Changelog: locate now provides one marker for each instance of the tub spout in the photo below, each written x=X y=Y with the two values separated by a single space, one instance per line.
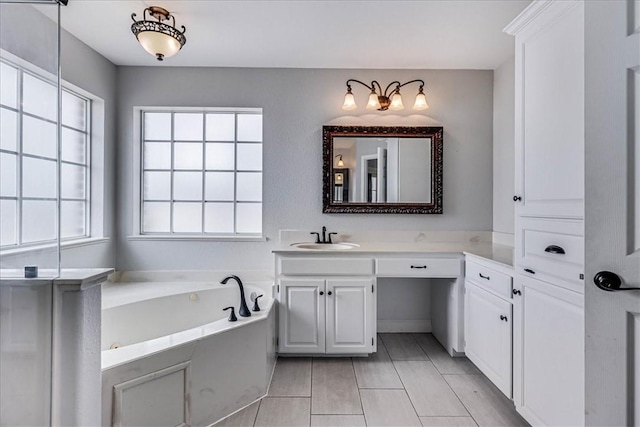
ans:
x=244 y=310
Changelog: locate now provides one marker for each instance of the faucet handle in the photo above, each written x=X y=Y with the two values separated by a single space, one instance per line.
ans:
x=317 y=236
x=256 y=307
x=232 y=316
x=329 y=240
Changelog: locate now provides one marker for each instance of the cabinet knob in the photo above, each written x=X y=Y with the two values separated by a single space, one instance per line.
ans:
x=329 y=293
x=517 y=198
x=321 y=292
x=503 y=317
x=516 y=292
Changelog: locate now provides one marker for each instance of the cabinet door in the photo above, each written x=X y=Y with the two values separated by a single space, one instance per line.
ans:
x=350 y=316
x=551 y=357
x=302 y=316
x=550 y=113
x=487 y=325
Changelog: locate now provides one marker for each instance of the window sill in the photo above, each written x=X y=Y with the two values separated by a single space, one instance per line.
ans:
x=184 y=238
x=64 y=245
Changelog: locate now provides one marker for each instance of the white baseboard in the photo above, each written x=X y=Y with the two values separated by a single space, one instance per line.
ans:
x=404 y=325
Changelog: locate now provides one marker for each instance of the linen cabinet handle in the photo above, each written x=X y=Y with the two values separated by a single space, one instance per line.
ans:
x=503 y=317
x=483 y=276
x=530 y=271
x=554 y=249
x=516 y=292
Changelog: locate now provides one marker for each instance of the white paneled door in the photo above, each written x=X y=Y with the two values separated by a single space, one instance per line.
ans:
x=349 y=316
x=612 y=211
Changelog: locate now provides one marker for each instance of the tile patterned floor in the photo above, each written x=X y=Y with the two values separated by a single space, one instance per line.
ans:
x=410 y=381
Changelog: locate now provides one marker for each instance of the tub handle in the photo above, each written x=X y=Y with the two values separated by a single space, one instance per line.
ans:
x=256 y=307
x=232 y=316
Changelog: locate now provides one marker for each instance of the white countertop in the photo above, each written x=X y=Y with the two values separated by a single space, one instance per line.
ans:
x=498 y=253
x=82 y=278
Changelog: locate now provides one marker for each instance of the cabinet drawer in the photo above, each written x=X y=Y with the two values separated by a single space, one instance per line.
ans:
x=418 y=267
x=552 y=248
x=326 y=266
x=489 y=279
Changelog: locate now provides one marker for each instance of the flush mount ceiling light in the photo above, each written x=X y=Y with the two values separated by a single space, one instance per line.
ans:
x=387 y=100
x=159 y=39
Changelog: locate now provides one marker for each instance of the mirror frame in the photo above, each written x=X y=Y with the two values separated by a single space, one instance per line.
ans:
x=331 y=132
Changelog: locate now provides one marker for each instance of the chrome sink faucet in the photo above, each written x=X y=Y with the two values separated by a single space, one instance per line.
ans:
x=326 y=239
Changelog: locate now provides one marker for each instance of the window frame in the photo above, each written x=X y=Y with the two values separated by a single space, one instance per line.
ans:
x=139 y=232
x=25 y=68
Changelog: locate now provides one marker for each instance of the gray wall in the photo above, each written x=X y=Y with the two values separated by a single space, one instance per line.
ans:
x=296 y=103
x=23 y=32
x=503 y=146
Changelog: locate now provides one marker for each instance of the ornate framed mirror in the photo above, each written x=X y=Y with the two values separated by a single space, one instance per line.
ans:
x=381 y=169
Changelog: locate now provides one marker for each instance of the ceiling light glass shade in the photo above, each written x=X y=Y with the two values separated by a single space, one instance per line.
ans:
x=340 y=163
x=396 y=102
x=159 y=39
x=421 y=101
x=374 y=103
x=349 y=101
x=159 y=45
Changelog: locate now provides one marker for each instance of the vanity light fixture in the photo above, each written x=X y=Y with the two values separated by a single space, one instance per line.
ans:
x=387 y=100
x=159 y=39
x=340 y=161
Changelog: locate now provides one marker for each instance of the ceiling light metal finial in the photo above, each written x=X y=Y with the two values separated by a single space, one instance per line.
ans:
x=389 y=99
x=159 y=39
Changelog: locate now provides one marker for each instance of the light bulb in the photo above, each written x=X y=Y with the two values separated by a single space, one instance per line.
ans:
x=374 y=103
x=340 y=163
x=349 y=101
x=421 y=101
x=396 y=102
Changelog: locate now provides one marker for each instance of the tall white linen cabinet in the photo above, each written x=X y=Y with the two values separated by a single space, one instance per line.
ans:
x=548 y=335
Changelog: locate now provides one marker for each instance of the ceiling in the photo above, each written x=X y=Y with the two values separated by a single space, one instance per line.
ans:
x=438 y=34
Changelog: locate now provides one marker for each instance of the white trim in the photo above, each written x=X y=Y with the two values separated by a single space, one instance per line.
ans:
x=64 y=245
x=196 y=238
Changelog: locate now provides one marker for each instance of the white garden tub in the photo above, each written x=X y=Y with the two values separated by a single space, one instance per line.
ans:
x=171 y=357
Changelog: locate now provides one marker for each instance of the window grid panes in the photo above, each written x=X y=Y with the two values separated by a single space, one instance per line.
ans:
x=28 y=153
x=201 y=172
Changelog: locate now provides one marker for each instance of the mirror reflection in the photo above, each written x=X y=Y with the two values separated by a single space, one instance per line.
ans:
x=382 y=170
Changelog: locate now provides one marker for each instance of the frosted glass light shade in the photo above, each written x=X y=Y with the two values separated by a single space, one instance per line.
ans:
x=396 y=102
x=158 y=44
x=374 y=103
x=421 y=102
x=349 y=101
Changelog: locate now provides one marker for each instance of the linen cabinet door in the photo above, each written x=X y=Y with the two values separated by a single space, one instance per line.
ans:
x=487 y=326
x=350 y=316
x=302 y=316
x=549 y=124
x=552 y=354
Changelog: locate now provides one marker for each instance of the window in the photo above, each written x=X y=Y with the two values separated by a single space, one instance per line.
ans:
x=201 y=172
x=28 y=159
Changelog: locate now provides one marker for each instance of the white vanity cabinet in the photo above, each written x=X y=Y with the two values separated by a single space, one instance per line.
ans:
x=488 y=321
x=327 y=305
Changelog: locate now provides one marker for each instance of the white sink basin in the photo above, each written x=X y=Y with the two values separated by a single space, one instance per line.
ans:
x=325 y=246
